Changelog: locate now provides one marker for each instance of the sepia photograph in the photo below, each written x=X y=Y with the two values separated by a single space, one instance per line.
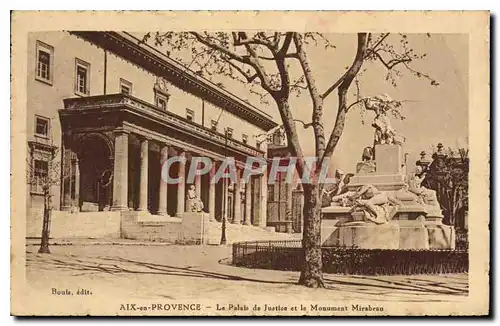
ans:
x=319 y=164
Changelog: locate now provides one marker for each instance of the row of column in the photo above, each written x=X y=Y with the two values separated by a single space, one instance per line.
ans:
x=120 y=183
x=237 y=209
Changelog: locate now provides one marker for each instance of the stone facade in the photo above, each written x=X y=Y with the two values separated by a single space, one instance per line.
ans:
x=135 y=110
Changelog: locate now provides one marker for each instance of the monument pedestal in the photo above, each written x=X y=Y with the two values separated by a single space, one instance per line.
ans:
x=441 y=236
x=394 y=235
x=412 y=234
x=383 y=182
x=369 y=236
x=415 y=225
x=389 y=158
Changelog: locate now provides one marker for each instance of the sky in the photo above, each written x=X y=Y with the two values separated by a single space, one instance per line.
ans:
x=433 y=114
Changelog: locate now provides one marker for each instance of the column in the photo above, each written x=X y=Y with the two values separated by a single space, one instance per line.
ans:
x=302 y=210
x=120 y=174
x=256 y=201
x=248 y=202
x=77 y=183
x=162 y=206
x=143 y=183
x=211 y=193
x=237 y=199
x=289 y=206
x=66 y=175
x=181 y=186
x=263 y=201
x=197 y=185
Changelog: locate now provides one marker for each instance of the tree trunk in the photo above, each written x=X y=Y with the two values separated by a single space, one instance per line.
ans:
x=44 y=246
x=312 y=275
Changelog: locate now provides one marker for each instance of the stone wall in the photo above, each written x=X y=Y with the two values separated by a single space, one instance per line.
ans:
x=70 y=225
x=192 y=228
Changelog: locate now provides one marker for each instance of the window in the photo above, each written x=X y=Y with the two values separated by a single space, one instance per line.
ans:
x=190 y=114
x=214 y=124
x=44 y=62
x=41 y=126
x=161 y=100
x=82 y=72
x=244 y=138
x=161 y=103
x=229 y=132
x=125 y=87
x=40 y=173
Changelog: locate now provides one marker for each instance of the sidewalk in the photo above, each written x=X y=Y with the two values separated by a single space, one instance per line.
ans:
x=95 y=242
x=189 y=272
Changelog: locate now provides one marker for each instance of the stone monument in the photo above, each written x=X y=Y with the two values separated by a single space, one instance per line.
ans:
x=382 y=208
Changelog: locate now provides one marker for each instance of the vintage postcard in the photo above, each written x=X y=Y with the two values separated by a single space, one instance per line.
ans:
x=250 y=163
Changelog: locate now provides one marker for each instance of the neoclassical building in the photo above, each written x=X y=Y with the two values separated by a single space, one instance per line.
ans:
x=111 y=110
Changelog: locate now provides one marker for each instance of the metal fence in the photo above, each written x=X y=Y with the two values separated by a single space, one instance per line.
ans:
x=461 y=240
x=289 y=256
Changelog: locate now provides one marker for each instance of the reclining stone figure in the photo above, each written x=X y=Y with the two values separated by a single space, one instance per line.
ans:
x=379 y=207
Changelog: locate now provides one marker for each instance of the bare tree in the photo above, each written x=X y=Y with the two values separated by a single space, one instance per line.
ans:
x=43 y=173
x=263 y=60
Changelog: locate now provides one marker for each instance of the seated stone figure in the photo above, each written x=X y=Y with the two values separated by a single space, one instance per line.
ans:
x=333 y=189
x=367 y=164
x=426 y=196
x=194 y=204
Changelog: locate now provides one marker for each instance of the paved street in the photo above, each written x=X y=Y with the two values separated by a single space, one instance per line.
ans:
x=186 y=272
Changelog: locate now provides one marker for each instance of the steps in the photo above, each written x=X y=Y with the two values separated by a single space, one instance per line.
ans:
x=239 y=232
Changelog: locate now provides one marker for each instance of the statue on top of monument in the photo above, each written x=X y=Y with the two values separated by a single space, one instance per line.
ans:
x=383 y=105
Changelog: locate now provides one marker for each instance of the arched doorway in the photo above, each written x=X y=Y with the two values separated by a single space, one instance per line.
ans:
x=96 y=173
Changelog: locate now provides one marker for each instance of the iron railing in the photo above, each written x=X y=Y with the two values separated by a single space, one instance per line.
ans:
x=288 y=255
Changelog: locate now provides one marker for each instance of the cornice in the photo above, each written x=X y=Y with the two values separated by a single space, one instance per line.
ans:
x=140 y=108
x=148 y=58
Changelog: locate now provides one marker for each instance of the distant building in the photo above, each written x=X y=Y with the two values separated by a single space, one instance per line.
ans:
x=284 y=199
x=115 y=109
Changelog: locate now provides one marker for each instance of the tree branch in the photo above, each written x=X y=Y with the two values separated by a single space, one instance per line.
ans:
x=197 y=55
x=317 y=114
x=241 y=71
x=379 y=41
x=305 y=125
x=418 y=73
x=340 y=80
x=286 y=44
x=243 y=39
x=334 y=86
x=391 y=63
x=251 y=60
x=259 y=69
x=284 y=76
x=226 y=51
x=276 y=40
x=342 y=94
